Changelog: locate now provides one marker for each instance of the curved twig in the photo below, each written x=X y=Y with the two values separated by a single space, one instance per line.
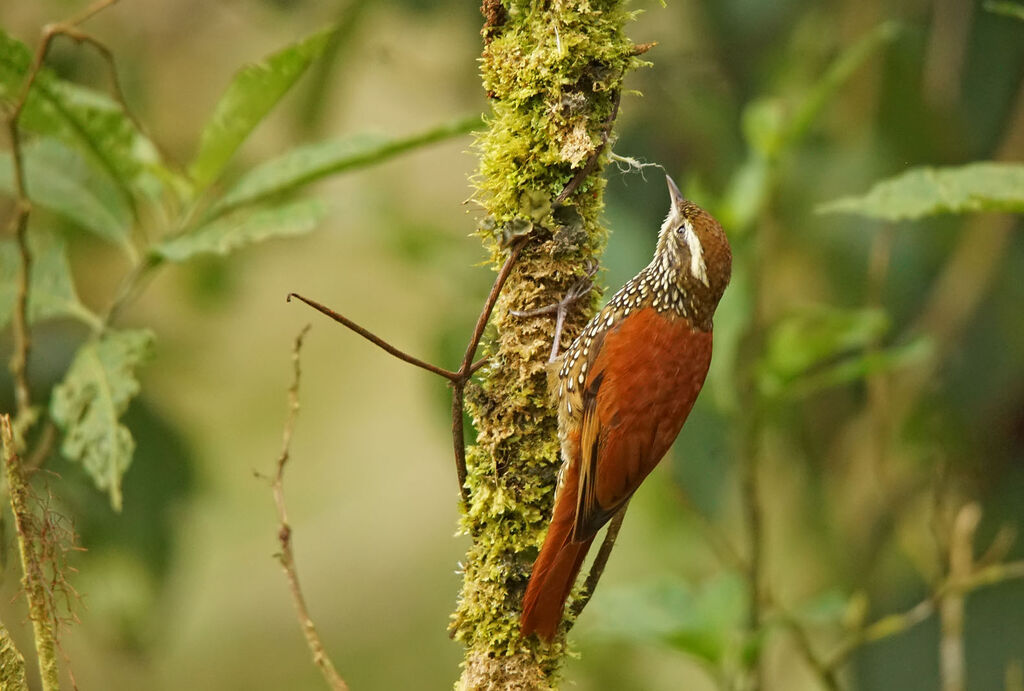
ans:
x=374 y=339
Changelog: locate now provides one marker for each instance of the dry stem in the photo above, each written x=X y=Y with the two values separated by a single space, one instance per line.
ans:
x=33 y=580
x=287 y=557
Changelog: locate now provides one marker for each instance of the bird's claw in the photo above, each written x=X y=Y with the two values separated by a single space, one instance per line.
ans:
x=577 y=290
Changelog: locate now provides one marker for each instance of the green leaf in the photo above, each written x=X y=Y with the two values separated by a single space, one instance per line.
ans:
x=983 y=186
x=313 y=162
x=243 y=227
x=700 y=621
x=824 y=348
x=805 y=340
x=89 y=403
x=253 y=92
x=51 y=289
x=861 y=365
x=85 y=119
x=60 y=179
x=1009 y=9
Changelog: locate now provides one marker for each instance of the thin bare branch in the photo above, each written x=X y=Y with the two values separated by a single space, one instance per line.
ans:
x=90 y=12
x=459 y=435
x=23 y=207
x=492 y=298
x=284 y=535
x=894 y=624
x=468 y=367
x=374 y=339
x=600 y=561
x=828 y=676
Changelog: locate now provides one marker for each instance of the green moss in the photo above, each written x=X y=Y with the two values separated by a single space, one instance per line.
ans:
x=551 y=70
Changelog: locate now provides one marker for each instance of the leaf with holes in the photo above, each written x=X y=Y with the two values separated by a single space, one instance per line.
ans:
x=89 y=403
x=241 y=228
x=52 y=290
x=984 y=186
x=87 y=120
x=253 y=93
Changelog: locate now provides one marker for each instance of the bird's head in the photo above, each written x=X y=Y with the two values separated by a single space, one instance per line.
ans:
x=693 y=249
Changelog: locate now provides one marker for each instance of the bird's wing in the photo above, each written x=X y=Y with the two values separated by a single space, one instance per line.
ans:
x=641 y=386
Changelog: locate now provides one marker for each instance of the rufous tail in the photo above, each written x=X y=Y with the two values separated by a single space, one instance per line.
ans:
x=554 y=574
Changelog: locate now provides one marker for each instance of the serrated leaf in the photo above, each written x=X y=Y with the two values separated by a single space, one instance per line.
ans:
x=85 y=119
x=60 y=179
x=984 y=186
x=241 y=228
x=89 y=403
x=307 y=164
x=253 y=93
x=700 y=621
x=51 y=290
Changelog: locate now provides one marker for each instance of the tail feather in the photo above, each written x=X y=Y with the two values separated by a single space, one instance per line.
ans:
x=554 y=574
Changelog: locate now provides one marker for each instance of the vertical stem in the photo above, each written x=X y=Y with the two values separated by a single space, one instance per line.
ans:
x=752 y=425
x=32 y=579
x=953 y=672
x=552 y=72
x=19 y=318
x=754 y=519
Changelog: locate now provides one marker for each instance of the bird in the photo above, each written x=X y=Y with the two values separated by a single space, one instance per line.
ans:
x=624 y=388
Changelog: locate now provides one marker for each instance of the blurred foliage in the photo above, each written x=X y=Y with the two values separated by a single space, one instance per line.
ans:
x=699 y=620
x=927 y=191
x=771 y=111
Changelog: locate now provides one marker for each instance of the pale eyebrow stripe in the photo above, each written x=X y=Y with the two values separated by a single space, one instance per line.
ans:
x=698 y=268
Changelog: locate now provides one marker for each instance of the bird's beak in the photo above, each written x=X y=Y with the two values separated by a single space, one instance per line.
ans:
x=673 y=191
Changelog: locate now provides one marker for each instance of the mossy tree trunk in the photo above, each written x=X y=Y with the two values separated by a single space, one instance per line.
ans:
x=553 y=72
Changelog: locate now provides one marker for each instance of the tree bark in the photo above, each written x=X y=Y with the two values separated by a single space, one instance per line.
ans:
x=553 y=73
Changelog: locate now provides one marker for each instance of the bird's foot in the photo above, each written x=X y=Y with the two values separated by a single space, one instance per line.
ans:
x=577 y=290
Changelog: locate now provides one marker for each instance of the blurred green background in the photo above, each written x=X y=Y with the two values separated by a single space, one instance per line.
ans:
x=182 y=589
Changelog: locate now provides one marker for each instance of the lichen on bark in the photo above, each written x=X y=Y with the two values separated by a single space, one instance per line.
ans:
x=553 y=71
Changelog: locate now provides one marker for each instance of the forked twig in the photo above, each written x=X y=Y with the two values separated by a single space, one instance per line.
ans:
x=468 y=367
x=459 y=378
x=284 y=535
